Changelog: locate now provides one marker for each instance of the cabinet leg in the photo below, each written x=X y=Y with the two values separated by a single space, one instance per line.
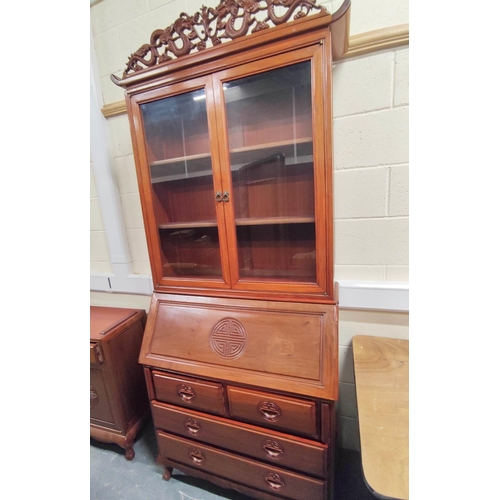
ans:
x=168 y=473
x=129 y=453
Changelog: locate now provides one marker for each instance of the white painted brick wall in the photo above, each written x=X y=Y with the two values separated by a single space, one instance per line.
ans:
x=368 y=15
x=360 y=273
x=401 y=79
x=372 y=241
x=371 y=139
x=126 y=174
x=119 y=129
x=399 y=190
x=398 y=273
x=363 y=84
x=371 y=176
x=361 y=192
x=99 y=252
x=132 y=211
x=139 y=251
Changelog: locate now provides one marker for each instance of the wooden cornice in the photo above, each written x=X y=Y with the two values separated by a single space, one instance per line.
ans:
x=360 y=44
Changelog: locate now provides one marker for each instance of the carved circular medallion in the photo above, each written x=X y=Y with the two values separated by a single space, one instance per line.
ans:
x=94 y=397
x=228 y=338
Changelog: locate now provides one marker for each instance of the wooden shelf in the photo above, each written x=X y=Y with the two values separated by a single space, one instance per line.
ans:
x=188 y=225
x=295 y=151
x=263 y=221
x=254 y=221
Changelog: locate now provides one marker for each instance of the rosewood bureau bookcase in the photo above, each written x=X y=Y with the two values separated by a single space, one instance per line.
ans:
x=231 y=121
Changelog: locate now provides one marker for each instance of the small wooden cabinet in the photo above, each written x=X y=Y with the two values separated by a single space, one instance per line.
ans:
x=233 y=151
x=118 y=397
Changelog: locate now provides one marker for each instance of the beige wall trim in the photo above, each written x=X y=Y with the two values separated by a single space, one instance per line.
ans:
x=360 y=44
x=114 y=109
x=372 y=41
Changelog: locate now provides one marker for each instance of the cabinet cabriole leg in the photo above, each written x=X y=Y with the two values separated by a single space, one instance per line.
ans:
x=168 y=473
x=129 y=453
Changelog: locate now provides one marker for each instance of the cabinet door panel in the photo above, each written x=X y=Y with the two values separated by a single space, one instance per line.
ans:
x=100 y=407
x=269 y=127
x=274 y=161
x=181 y=183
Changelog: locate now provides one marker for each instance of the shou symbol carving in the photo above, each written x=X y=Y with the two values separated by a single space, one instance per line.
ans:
x=228 y=338
x=210 y=26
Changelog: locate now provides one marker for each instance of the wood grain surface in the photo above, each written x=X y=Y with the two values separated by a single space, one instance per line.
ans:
x=381 y=367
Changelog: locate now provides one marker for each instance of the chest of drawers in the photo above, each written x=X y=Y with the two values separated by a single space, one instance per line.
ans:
x=118 y=398
x=250 y=405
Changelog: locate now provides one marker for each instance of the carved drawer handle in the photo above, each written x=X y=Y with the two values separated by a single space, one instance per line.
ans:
x=270 y=411
x=225 y=196
x=197 y=456
x=192 y=426
x=273 y=449
x=186 y=393
x=218 y=196
x=275 y=481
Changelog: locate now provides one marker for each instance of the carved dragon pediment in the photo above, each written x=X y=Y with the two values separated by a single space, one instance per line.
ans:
x=209 y=27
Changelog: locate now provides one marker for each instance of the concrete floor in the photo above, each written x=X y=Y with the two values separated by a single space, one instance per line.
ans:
x=112 y=477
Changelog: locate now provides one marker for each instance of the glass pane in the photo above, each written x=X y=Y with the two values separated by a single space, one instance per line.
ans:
x=269 y=120
x=178 y=150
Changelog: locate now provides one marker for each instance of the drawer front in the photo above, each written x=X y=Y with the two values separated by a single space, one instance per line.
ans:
x=279 y=449
x=185 y=391
x=235 y=468
x=271 y=410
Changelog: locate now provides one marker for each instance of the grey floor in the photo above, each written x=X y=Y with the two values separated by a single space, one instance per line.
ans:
x=114 y=478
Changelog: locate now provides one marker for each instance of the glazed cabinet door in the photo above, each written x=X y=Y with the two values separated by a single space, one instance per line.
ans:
x=180 y=184
x=235 y=177
x=274 y=164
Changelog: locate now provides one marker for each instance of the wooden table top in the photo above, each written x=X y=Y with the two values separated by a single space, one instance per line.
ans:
x=382 y=381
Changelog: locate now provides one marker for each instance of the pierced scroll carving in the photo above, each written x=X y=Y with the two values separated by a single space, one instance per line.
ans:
x=210 y=26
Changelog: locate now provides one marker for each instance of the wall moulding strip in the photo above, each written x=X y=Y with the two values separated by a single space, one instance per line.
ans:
x=382 y=39
x=360 y=44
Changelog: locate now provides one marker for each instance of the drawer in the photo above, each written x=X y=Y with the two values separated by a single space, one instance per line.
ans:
x=279 y=449
x=95 y=353
x=271 y=410
x=185 y=391
x=239 y=469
